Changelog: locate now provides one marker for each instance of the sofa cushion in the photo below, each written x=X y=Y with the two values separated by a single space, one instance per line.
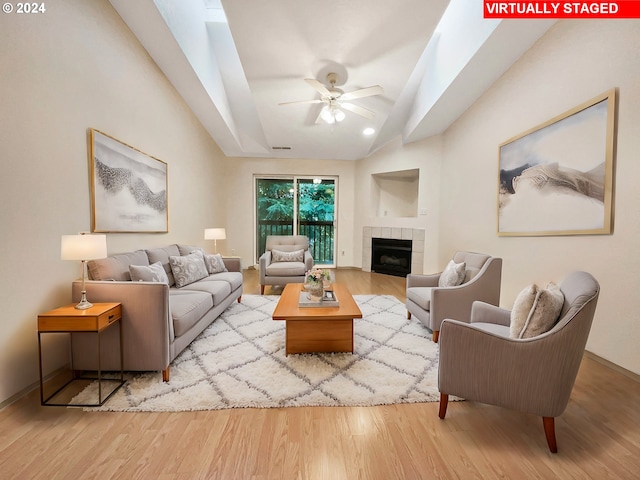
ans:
x=214 y=263
x=421 y=296
x=234 y=279
x=286 y=269
x=280 y=256
x=535 y=311
x=219 y=290
x=162 y=255
x=452 y=275
x=187 y=249
x=116 y=267
x=153 y=273
x=188 y=268
x=187 y=308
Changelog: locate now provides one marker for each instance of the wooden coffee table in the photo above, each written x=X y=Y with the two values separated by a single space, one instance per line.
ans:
x=317 y=329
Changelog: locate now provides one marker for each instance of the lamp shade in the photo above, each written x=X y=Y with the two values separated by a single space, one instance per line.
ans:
x=83 y=247
x=215 y=234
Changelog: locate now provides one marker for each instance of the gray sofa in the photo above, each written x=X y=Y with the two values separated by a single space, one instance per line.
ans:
x=159 y=320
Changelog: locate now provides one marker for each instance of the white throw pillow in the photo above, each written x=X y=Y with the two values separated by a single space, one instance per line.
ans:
x=453 y=274
x=152 y=273
x=279 y=256
x=214 y=263
x=535 y=311
x=188 y=268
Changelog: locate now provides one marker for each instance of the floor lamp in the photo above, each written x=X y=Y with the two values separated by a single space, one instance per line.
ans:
x=215 y=234
x=83 y=247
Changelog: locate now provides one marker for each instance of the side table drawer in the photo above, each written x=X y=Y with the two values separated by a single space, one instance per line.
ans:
x=79 y=322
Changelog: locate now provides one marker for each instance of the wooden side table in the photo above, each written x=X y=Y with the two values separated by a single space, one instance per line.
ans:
x=68 y=319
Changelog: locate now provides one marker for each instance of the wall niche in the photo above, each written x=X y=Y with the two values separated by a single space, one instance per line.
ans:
x=395 y=194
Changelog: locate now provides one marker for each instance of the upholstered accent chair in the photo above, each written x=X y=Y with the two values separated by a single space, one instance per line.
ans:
x=480 y=279
x=286 y=260
x=480 y=361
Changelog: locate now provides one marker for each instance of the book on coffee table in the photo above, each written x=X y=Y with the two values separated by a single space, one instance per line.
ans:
x=328 y=300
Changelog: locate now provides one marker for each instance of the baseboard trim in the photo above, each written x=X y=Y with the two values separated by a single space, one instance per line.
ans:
x=34 y=386
x=612 y=366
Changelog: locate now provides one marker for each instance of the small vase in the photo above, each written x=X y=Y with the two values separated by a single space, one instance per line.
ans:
x=314 y=291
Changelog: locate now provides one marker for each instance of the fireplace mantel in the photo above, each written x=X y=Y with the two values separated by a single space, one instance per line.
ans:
x=416 y=235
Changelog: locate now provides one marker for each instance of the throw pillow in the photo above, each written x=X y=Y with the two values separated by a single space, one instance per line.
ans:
x=535 y=311
x=279 y=256
x=152 y=273
x=188 y=268
x=452 y=275
x=214 y=263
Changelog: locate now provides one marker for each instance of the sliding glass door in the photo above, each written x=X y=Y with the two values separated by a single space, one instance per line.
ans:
x=298 y=206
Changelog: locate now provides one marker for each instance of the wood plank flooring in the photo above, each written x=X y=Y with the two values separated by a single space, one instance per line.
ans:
x=598 y=435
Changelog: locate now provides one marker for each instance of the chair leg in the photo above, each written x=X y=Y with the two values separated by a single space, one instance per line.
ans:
x=444 y=401
x=408 y=315
x=435 y=335
x=261 y=289
x=550 y=432
x=240 y=299
x=165 y=374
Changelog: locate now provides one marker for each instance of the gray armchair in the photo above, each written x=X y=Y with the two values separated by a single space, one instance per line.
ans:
x=277 y=265
x=481 y=363
x=432 y=304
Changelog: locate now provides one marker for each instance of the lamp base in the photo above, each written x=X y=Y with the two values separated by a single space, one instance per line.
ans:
x=84 y=303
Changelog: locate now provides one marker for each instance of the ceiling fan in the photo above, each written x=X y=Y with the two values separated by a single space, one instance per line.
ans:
x=336 y=100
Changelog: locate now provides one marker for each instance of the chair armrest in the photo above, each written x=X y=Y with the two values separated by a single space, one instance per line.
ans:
x=533 y=375
x=308 y=260
x=233 y=264
x=263 y=262
x=487 y=313
x=147 y=328
x=415 y=280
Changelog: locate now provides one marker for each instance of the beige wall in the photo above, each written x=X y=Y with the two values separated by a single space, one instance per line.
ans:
x=425 y=156
x=78 y=66
x=572 y=63
x=239 y=187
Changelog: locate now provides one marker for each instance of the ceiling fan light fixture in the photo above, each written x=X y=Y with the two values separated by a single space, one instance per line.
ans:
x=326 y=115
x=331 y=114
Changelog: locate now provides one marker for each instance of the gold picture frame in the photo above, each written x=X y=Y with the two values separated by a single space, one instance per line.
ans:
x=128 y=188
x=557 y=178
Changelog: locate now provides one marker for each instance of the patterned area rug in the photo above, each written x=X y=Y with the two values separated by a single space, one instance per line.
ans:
x=239 y=361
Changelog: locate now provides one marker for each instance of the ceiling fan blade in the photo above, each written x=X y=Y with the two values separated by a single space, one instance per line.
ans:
x=363 y=92
x=300 y=102
x=318 y=86
x=358 y=110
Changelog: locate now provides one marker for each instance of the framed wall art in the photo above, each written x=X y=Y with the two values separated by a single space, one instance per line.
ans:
x=557 y=178
x=128 y=188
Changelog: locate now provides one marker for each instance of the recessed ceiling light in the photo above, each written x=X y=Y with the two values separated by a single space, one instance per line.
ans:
x=368 y=131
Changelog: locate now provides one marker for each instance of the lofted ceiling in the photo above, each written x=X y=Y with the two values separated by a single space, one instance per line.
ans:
x=235 y=61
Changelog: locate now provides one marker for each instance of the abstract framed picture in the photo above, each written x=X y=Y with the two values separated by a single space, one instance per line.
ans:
x=128 y=188
x=557 y=178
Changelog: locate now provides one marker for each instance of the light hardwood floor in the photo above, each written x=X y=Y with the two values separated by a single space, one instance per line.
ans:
x=598 y=435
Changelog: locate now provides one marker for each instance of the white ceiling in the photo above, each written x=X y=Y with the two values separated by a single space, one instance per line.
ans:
x=234 y=61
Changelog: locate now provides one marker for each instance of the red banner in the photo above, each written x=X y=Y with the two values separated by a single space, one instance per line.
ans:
x=561 y=9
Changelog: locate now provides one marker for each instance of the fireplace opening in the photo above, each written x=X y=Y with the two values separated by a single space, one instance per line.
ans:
x=391 y=256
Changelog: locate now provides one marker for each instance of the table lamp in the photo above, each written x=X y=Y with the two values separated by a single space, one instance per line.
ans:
x=215 y=234
x=83 y=247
